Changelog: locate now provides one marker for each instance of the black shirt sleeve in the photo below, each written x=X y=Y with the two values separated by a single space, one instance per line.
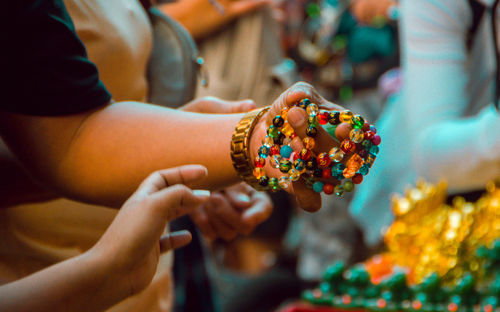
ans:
x=45 y=64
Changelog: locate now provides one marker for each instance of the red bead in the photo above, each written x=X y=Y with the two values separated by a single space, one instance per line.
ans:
x=373 y=129
x=327 y=173
x=363 y=153
x=376 y=140
x=323 y=160
x=328 y=189
x=323 y=119
x=347 y=146
x=369 y=135
x=294 y=156
x=275 y=150
x=259 y=162
x=293 y=136
x=305 y=154
x=357 y=179
x=366 y=126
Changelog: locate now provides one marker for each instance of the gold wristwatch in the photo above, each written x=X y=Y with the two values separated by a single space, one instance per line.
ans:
x=240 y=143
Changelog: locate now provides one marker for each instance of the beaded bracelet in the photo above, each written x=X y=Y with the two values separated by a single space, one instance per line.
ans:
x=346 y=164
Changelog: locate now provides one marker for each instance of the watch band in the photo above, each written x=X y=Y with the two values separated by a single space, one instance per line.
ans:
x=240 y=152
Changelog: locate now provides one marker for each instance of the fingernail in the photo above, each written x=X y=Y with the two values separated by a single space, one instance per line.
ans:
x=179 y=233
x=243 y=198
x=296 y=117
x=248 y=105
x=201 y=193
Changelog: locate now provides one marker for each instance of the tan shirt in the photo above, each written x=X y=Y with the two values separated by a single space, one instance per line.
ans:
x=117 y=35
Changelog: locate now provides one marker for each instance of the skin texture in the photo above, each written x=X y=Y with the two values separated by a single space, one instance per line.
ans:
x=122 y=263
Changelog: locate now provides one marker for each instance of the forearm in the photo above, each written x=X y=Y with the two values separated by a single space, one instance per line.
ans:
x=78 y=284
x=464 y=152
x=102 y=156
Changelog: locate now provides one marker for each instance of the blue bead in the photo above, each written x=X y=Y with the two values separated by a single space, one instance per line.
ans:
x=318 y=186
x=374 y=150
x=264 y=151
x=338 y=169
x=286 y=151
x=364 y=170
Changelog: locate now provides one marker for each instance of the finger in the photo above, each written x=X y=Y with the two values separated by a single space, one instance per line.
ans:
x=307 y=199
x=175 y=240
x=239 y=106
x=176 y=201
x=242 y=7
x=260 y=211
x=200 y=218
x=161 y=179
x=297 y=118
x=238 y=197
x=224 y=219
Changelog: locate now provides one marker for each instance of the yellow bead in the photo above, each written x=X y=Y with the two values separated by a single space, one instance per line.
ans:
x=309 y=143
x=312 y=109
x=356 y=135
x=258 y=173
x=294 y=175
x=287 y=129
x=284 y=112
x=268 y=141
x=346 y=116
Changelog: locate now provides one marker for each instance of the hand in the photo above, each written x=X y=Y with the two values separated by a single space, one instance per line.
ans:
x=235 y=210
x=213 y=105
x=297 y=117
x=201 y=17
x=366 y=10
x=133 y=242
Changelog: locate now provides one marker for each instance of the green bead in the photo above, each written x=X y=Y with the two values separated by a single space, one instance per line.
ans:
x=339 y=190
x=285 y=165
x=273 y=132
x=348 y=186
x=313 y=120
x=374 y=149
x=358 y=122
x=274 y=184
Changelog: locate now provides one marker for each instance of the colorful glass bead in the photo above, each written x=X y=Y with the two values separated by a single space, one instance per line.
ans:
x=357 y=179
x=312 y=109
x=313 y=121
x=336 y=154
x=294 y=175
x=286 y=151
x=309 y=143
x=273 y=132
x=346 y=116
x=356 y=135
x=285 y=165
x=275 y=149
x=264 y=151
x=259 y=161
x=338 y=169
x=280 y=139
x=284 y=182
x=258 y=172
x=348 y=146
x=299 y=165
x=366 y=126
x=364 y=170
x=376 y=140
x=373 y=129
x=311 y=164
x=334 y=118
x=275 y=161
x=369 y=135
x=294 y=156
x=287 y=141
x=322 y=118
x=339 y=190
x=363 y=153
x=268 y=141
x=358 y=122
x=327 y=173
x=287 y=129
x=318 y=186
x=374 y=149
x=312 y=131
x=370 y=160
x=274 y=184
x=293 y=135
x=348 y=186
x=328 y=189
x=366 y=144
x=264 y=181
x=353 y=164
x=305 y=154
x=278 y=121
x=304 y=103
x=323 y=160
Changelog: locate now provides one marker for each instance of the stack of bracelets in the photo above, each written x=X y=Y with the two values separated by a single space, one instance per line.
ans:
x=347 y=164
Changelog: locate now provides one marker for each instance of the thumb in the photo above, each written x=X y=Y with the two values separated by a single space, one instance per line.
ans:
x=175 y=240
x=242 y=7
